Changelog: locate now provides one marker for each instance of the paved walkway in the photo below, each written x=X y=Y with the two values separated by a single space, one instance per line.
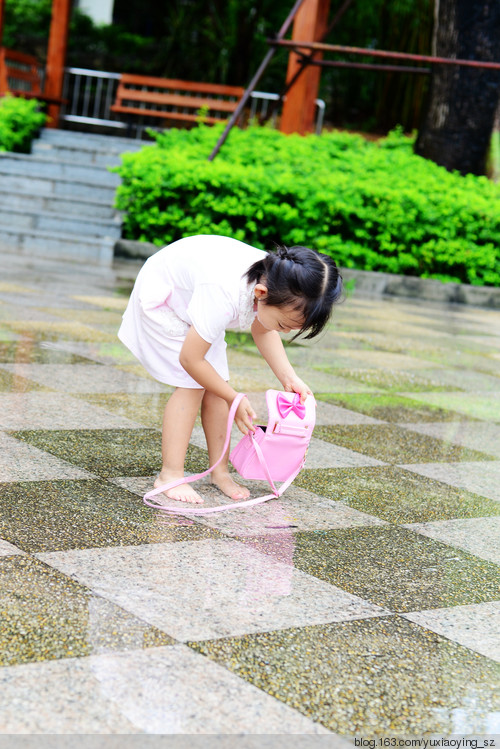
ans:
x=364 y=602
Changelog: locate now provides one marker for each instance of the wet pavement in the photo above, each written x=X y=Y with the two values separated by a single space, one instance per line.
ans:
x=365 y=601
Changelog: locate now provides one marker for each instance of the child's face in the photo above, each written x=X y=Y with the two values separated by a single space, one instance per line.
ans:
x=282 y=319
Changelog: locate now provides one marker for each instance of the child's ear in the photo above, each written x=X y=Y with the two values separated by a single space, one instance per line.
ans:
x=260 y=291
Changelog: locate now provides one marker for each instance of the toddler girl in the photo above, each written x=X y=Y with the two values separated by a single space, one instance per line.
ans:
x=184 y=299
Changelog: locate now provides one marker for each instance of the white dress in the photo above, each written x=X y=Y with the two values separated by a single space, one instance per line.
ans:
x=197 y=281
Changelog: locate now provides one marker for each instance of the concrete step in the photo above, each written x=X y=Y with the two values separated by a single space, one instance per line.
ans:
x=76 y=155
x=58 y=201
x=36 y=166
x=53 y=204
x=60 y=223
x=34 y=242
x=53 y=186
x=112 y=143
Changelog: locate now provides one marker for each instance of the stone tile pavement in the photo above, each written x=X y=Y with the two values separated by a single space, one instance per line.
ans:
x=365 y=601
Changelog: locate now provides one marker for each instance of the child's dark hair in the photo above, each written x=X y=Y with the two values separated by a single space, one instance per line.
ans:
x=304 y=279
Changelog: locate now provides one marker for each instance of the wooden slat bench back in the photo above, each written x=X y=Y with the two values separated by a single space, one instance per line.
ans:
x=172 y=99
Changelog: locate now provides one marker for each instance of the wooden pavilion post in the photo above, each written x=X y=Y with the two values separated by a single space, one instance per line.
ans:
x=298 y=109
x=56 y=56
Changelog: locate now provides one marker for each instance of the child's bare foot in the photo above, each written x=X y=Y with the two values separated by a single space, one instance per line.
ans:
x=229 y=487
x=182 y=493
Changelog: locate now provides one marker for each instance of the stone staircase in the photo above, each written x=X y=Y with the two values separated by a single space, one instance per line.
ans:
x=57 y=202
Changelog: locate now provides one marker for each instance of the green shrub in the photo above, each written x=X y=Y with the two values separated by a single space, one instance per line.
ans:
x=20 y=120
x=373 y=206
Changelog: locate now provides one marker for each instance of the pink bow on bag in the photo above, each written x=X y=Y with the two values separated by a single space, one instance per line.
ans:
x=286 y=406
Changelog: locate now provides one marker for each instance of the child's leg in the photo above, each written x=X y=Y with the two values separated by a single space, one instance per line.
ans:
x=214 y=413
x=178 y=421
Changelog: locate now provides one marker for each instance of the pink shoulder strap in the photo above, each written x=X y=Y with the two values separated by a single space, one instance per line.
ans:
x=183 y=510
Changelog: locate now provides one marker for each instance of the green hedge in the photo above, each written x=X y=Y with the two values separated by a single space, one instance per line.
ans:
x=372 y=206
x=20 y=121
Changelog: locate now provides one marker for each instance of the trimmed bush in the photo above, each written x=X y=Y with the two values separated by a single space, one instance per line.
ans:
x=372 y=206
x=20 y=121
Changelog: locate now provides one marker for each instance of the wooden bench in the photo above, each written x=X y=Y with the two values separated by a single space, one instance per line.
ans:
x=19 y=76
x=170 y=99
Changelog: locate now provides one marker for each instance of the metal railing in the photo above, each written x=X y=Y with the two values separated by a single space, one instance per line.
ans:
x=90 y=94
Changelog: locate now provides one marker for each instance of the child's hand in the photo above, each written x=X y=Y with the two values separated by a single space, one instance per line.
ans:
x=296 y=385
x=244 y=416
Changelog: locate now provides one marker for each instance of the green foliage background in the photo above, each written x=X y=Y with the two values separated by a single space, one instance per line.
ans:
x=373 y=206
x=20 y=121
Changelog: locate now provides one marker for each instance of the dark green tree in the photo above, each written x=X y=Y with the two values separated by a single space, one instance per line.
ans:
x=375 y=100
x=26 y=26
x=212 y=40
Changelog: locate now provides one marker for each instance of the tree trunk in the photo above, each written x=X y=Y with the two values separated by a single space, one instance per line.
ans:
x=458 y=123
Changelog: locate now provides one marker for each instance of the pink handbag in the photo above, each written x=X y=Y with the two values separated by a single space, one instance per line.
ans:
x=276 y=452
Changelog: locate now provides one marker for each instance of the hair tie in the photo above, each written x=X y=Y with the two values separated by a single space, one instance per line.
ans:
x=284 y=253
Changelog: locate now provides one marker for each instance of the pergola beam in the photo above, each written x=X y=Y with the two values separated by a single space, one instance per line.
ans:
x=342 y=49
x=368 y=66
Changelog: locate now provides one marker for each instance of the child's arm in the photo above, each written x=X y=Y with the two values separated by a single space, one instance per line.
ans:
x=271 y=347
x=192 y=359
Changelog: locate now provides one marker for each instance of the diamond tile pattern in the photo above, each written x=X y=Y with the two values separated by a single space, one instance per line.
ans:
x=365 y=601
